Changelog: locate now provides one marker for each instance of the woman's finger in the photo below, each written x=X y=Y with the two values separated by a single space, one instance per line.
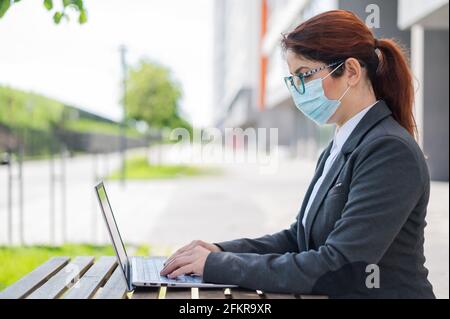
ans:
x=181 y=253
x=181 y=250
x=181 y=271
x=175 y=254
x=179 y=262
x=169 y=262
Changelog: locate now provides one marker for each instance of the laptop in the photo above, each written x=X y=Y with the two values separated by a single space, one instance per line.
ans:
x=142 y=271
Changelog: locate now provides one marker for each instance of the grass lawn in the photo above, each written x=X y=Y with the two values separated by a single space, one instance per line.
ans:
x=16 y=262
x=138 y=168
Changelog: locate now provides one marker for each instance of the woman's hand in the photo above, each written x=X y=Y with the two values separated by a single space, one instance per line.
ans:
x=191 y=246
x=189 y=259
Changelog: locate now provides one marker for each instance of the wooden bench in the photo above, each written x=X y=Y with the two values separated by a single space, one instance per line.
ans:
x=84 y=278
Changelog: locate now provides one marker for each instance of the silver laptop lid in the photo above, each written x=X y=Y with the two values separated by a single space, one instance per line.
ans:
x=113 y=231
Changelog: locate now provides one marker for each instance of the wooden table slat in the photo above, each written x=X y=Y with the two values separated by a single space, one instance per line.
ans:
x=146 y=293
x=178 y=293
x=238 y=293
x=271 y=295
x=30 y=282
x=212 y=293
x=115 y=287
x=92 y=279
x=64 y=279
x=84 y=279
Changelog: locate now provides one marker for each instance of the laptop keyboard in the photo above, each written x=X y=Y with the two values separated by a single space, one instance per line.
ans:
x=148 y=270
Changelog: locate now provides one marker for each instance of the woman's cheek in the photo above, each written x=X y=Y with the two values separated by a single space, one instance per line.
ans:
x=329 y=88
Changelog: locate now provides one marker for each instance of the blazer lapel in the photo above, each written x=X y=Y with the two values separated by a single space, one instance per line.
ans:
x=316 y=176
x=328 y=181
x=374 y=116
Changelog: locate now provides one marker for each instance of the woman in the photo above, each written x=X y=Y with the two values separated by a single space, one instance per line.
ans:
x=360 y=230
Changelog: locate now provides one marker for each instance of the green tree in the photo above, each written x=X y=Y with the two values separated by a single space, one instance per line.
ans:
x=58 y=15
x=153 y=96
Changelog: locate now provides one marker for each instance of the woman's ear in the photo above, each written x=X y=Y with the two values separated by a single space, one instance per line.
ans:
x=353 y=71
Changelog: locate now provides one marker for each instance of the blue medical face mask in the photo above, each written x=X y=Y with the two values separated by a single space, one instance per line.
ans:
x=310 y=97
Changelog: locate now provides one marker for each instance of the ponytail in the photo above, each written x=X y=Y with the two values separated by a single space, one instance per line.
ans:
x=394 y=83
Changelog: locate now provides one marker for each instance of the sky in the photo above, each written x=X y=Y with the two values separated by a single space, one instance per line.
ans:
x=80 y=64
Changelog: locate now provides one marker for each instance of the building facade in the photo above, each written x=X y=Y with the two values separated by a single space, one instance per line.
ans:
x=236 y=47
x=428 y=23
x=250 y=66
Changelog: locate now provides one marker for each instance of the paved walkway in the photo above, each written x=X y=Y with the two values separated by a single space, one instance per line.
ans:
x=241 y=202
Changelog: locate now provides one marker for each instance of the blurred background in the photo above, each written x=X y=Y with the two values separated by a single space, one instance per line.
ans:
x=91 y=90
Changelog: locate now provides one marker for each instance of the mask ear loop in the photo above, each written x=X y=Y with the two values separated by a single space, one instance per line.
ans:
x=345 y=93
x=334 y=70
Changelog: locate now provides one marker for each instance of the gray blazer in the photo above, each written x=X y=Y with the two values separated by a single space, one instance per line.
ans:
x=370 y=210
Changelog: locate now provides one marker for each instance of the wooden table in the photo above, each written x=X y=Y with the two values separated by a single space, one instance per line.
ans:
x=84 y=278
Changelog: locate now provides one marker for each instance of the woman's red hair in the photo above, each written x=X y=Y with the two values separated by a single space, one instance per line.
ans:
x=338 y=35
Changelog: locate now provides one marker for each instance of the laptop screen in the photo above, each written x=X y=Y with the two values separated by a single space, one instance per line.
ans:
x=112 y=228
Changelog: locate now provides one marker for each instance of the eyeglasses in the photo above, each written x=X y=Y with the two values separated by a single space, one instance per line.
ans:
x=298 y=81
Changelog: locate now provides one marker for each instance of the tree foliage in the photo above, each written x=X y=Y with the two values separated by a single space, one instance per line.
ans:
x=58 y=14
x=153 y=96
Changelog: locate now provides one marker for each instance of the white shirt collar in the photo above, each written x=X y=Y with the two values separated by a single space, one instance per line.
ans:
x=342 y=133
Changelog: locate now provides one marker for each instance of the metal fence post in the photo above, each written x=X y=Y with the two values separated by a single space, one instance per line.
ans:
x=9 y=200
x=94 y=204
x=63 y=193
x=52 y=198
x=21 y=195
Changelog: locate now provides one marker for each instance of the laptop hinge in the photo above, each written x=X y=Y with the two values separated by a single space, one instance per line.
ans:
x=130 y=280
